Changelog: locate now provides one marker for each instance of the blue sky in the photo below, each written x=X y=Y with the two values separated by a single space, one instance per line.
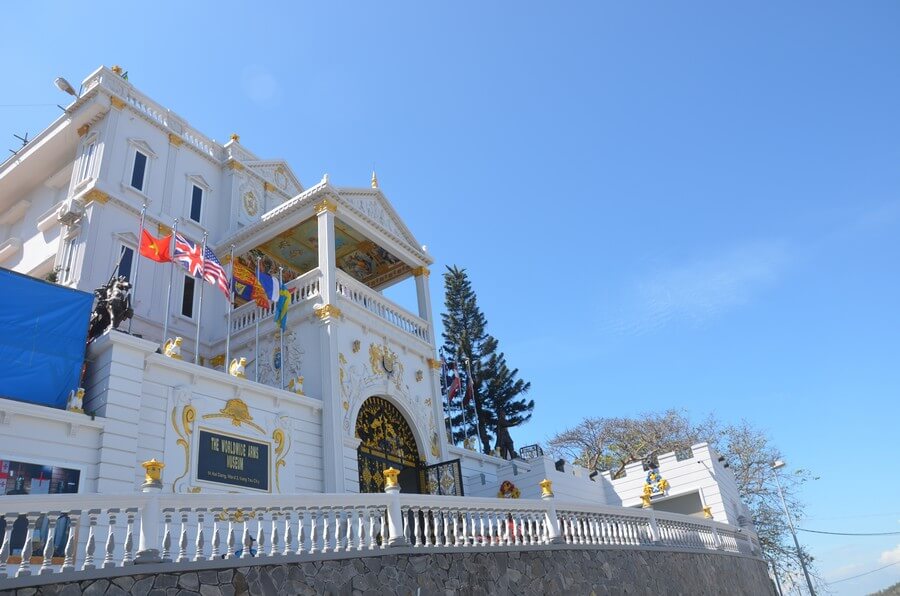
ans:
x=691 y=204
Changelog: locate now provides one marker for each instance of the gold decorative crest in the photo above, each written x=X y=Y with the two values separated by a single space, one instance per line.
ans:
x=239 y=413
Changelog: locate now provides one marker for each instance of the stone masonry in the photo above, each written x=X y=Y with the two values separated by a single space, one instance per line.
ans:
x=538 y=572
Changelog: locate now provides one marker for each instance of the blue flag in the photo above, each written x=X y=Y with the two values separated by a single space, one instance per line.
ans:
x=281 y=308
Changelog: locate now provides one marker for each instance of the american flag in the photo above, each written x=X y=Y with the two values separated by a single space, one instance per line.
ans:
x=188 y=255
x=213 y=272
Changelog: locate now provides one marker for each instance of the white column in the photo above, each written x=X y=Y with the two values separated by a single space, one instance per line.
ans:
x=329 y=314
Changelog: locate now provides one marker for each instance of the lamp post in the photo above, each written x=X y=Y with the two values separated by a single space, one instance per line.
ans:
x=777 y=465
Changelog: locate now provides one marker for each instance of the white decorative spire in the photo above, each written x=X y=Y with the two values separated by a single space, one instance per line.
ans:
x=374 y=180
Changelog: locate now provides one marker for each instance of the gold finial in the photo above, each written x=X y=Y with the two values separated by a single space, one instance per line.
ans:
x=235 y=137
x=374 y=180
x=390 y=477
x=153 y=471
x=117 y=69
x=707 y=512
x=546 y=488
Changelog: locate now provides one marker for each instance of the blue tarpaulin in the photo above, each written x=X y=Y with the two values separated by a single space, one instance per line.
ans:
x=43 y=330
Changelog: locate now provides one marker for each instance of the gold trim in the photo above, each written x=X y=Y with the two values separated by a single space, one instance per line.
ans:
x=417 y=271
x=96 y=195
x=325 y=205
x=280 y=454
x=163 y=229
x=434 y=364
x=269 y=187
x=546 y=487
x=707 y=512
x=327 y=310
x=217 y=360
x=83 y=130
x=239 y=412
x=188 y=414
x=234 y=165
x=174 y=139
x=116 y=102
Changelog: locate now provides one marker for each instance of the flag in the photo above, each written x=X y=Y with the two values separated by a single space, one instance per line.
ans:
x=213 y=272
x=270 y=285
x=247 y=286
x=455 y=384
x=470 y=391
x=284 y=300
x=155 y=249
x=188 y=255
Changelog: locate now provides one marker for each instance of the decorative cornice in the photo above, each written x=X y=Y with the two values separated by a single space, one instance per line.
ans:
x=174 y=139
x=434 y=364
x=234 y=165
x=325 y=205
x=96 y=195
x=325 y=311
x=417 y=271
x=82 y=130
x=116 y=102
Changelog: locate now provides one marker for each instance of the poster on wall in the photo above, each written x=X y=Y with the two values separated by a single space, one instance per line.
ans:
x=20 y=478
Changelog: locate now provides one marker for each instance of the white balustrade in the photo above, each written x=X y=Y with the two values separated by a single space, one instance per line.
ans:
x=302 y=288
x=370 y=300
x=301 y=525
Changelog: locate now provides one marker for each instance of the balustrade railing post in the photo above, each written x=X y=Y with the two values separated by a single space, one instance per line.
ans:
x=47 y=562
x=4 y=546
x=654 y=527
x=717 y=540
x=394 y=514
x=553 y=536
x=25 y=565
x=148 y=541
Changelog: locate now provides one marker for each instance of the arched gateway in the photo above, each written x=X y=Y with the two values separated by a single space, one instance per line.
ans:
x=386 y=440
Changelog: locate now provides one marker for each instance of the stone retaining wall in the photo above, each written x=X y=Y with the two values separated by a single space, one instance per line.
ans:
x=538 y=572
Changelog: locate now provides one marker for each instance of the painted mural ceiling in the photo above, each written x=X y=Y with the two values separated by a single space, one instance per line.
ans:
x=296 y=250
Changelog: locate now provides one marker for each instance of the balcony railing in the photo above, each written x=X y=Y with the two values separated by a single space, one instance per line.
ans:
x=370 y=300
x=119 y=530
x=302 y=288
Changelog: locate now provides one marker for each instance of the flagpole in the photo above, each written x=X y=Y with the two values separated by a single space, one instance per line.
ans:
x=171 y=275
x=137 y=264
x=281 y=335
x=469 y=379
x=258 y=316
x=446 y=403
x=230 y=308
x=200 y=302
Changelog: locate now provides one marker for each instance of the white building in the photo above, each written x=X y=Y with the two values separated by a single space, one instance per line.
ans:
x=365 y=391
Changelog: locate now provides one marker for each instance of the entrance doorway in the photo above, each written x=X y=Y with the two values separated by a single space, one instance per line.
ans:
x=386 y=441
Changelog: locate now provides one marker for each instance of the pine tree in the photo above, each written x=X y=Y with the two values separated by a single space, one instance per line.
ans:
x=494 y=403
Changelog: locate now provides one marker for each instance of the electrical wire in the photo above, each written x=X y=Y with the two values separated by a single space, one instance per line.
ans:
x=862 y=574
x=851 y=533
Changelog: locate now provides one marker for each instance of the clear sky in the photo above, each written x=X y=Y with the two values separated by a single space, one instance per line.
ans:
x=688 y=204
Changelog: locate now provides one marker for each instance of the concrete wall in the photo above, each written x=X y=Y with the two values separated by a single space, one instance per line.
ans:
x=402 y=572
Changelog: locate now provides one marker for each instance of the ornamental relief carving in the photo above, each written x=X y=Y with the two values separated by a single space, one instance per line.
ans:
x=378 y=372
x=374 y=211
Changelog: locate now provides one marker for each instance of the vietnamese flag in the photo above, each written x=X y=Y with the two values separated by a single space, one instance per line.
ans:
x=156 y=249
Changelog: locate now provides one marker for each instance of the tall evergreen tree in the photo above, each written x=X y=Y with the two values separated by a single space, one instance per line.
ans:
x=493 y=406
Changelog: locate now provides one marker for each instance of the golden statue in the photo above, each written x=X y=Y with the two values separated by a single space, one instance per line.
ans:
x=296 y=385
x=237 y=368
x=172 y=348
x=76 y=401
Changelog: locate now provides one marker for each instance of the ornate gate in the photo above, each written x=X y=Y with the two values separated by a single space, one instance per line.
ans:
x=386 y=440
x=444 y=478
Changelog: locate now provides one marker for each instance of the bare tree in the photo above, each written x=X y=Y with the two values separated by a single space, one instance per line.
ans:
x=599 y=443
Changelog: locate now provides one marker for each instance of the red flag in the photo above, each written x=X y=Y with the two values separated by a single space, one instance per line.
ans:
x=455 y=384
x=470 y=391
x=156 y=249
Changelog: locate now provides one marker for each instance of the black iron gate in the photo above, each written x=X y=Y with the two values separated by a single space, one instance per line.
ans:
x=444 y=478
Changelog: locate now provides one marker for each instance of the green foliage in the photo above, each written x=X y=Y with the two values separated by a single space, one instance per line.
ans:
x=496 y=404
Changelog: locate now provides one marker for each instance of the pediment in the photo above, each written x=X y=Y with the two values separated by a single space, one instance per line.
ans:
x=373 y=205
x=143 y=146
x=278 y=174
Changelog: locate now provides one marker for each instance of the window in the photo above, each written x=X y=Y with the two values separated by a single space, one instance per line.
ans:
x=187 y=297
x=87 y=160
x=138 y=170
x=196 y=202
x=126 y=257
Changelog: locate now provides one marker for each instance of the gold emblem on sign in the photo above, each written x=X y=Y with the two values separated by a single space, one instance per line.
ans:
x=239 y=413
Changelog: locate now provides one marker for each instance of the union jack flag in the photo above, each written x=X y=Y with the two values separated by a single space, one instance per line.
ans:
x=188 y=255
x=213 y=272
